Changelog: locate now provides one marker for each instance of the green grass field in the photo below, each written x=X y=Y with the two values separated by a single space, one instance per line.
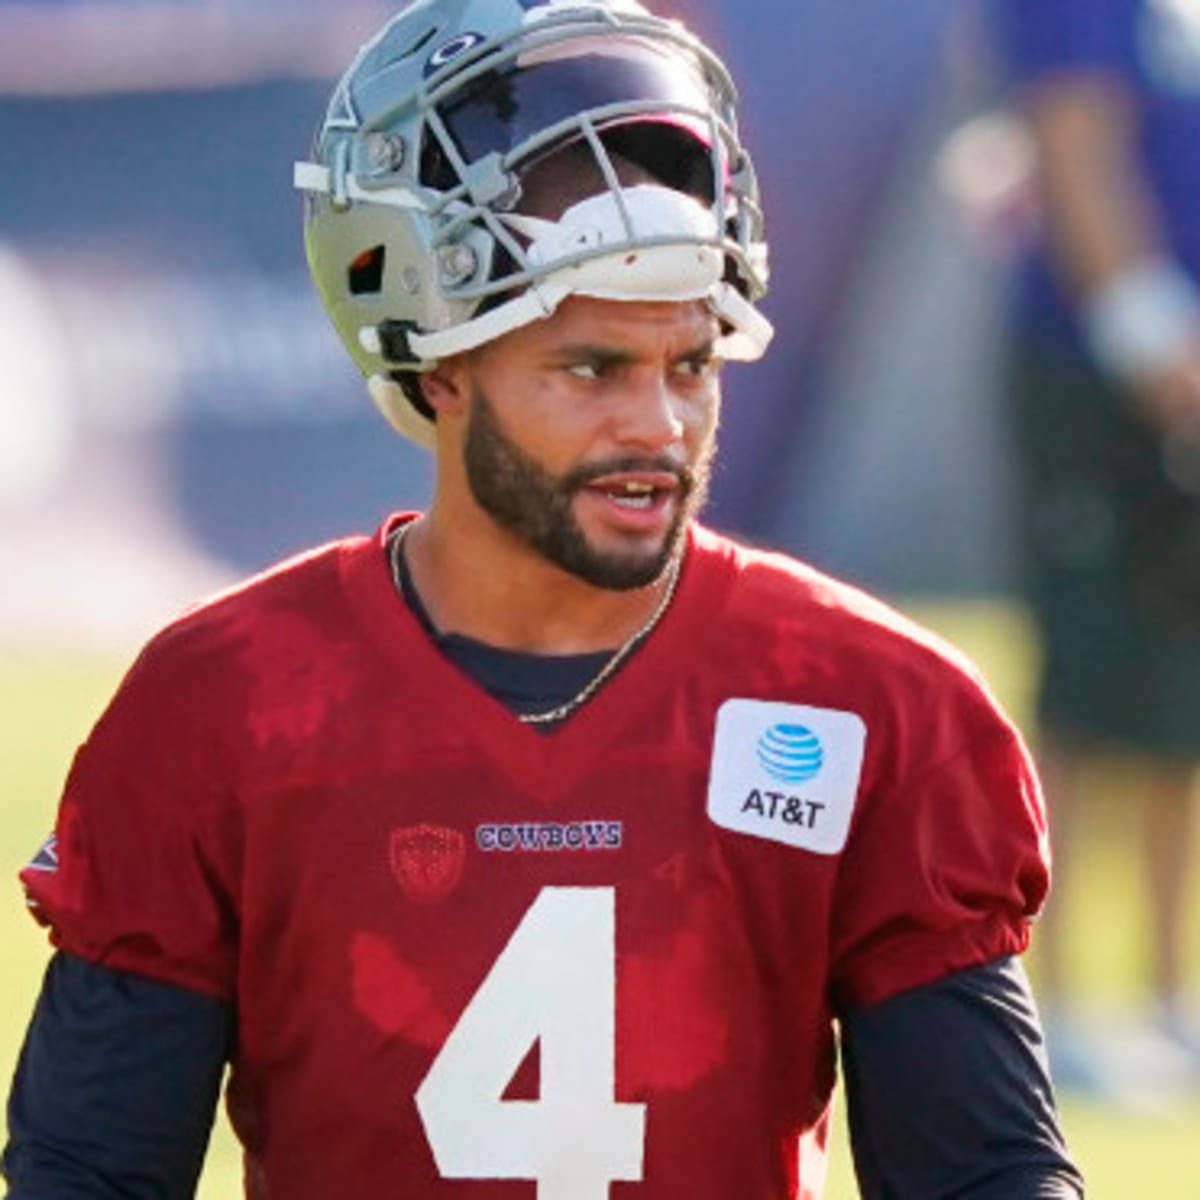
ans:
x=48 y=703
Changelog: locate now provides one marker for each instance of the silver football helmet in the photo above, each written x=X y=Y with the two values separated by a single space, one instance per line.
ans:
x=415 y=230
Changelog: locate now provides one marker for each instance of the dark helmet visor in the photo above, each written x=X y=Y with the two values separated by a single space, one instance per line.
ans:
x=502 y=110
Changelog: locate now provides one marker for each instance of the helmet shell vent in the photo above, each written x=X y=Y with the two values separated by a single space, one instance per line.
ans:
x=365 y=274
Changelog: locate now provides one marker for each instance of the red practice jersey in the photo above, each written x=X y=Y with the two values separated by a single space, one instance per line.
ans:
x=472 y=959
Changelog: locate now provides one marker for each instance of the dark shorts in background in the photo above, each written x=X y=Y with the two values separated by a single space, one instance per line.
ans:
x=1112 y=550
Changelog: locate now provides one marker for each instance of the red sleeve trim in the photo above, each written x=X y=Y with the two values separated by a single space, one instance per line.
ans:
x=925 y=956
x=122 y=958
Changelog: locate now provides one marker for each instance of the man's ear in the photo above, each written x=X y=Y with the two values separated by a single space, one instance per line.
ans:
x=447 y=387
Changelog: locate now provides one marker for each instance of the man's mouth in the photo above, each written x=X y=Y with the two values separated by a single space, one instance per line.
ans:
x=640 y=491
x=632 y=495
x=635 y=504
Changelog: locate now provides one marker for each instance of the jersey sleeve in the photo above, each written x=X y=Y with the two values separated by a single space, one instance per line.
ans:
x=140 y=872
x=1043 y=37
x=948 y=858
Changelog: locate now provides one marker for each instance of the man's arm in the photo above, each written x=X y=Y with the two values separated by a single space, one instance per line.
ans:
x=116 y=1088
x=949 y=1095
x=1142 y=313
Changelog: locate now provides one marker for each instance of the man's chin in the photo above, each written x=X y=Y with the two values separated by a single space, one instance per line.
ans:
x=625 y=569
x=628 y=578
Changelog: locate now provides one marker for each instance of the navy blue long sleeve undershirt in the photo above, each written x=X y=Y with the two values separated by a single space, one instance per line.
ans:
x=116 y=1088
x=948 y=1093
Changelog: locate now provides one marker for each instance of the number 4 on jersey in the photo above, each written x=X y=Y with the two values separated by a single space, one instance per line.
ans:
x=555 y=982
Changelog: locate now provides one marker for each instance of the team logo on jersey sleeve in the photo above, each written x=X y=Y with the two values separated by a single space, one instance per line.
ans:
x=46 y=859
x=786 y=772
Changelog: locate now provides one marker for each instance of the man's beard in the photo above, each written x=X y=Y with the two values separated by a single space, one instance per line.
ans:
x=536 y=506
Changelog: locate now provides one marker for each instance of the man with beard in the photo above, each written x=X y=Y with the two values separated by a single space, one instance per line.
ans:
x=542 y=842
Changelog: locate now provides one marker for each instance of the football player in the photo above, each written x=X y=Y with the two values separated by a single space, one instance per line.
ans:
x=544 y=842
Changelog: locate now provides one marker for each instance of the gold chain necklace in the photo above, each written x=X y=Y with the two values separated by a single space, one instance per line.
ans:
x=562 y=711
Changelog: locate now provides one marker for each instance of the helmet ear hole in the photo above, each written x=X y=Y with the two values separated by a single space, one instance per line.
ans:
x=364 y=276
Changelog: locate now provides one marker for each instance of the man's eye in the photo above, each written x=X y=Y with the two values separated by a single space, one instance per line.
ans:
x=697 y=368
x=585 y=370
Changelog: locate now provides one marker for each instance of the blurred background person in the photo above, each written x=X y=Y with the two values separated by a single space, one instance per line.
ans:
x=1106 y=400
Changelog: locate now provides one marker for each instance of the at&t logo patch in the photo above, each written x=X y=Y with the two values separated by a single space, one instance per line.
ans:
x=786 y=772
x=791 y=753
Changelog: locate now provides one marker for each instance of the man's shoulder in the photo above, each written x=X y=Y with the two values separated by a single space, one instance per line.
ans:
x=303 y=582
x=286 y=611
x=793 y=602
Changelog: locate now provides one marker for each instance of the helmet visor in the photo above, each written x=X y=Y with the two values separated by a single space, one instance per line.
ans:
x=539 y=100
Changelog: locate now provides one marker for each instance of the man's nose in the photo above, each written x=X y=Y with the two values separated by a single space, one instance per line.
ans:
x=651 y=414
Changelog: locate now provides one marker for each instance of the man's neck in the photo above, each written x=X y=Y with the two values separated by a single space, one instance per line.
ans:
x=498 y=591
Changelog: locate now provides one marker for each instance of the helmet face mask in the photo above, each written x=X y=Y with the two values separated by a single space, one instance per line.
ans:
x=419 y=228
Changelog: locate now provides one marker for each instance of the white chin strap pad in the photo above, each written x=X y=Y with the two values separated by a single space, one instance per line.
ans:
x=665 y=246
